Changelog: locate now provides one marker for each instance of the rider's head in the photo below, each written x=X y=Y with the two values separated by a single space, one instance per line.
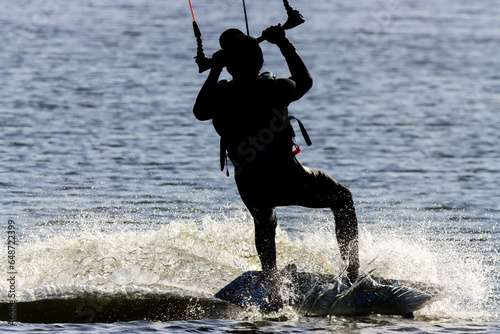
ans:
x=243 y=54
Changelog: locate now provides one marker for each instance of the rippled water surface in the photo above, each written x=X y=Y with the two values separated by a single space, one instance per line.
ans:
x=112 y=183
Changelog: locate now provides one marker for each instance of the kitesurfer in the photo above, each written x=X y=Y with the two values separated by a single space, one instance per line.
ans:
x=250 y=114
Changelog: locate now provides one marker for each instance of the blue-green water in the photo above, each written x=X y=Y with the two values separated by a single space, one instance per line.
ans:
x=112 y=183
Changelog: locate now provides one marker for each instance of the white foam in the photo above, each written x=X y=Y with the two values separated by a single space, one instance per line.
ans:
x=204 y=256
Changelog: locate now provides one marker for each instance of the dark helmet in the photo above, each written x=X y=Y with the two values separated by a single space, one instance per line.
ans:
x=243 y=53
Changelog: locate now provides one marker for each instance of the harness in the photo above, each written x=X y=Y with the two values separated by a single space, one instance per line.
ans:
x=223 y=152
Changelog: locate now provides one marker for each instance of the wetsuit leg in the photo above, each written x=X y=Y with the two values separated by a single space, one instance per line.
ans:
x=265 y=242
x=316 y=189
x=265 y=237
x=346 y=231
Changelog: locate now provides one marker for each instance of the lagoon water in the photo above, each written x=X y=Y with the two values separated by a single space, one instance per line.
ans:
x=112 y=183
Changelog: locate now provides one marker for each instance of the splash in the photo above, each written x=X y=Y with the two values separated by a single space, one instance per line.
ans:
x=421 y=256
x=203 y=256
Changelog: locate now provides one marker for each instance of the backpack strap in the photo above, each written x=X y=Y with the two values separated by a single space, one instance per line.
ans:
x=302 y=130
x=223 y=157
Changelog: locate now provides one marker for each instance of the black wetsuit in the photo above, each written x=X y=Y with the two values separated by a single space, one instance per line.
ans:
x=251 y=118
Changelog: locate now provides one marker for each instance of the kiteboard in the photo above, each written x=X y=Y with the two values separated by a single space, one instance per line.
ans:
x=308 y=293
x=331 y=295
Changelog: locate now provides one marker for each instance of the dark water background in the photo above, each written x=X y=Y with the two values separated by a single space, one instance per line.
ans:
x=113 y=183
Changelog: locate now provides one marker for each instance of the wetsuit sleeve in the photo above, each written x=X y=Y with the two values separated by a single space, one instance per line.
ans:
x=301 y=80
x=208 y=97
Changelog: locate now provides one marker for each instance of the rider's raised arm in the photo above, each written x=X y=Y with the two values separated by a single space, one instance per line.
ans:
x=207 y=100
x=301 y=77
x=301 y=80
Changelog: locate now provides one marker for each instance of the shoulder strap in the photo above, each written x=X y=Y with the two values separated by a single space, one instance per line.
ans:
x=302 y=130
x=223 y=157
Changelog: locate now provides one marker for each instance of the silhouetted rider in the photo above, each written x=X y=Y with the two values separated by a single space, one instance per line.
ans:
x=250 y=114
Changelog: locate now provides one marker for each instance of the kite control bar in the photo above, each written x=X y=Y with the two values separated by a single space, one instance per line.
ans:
x=294 y=18
x=204 y=63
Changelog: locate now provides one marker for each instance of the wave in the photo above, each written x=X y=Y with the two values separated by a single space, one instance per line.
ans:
x=82 y=304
